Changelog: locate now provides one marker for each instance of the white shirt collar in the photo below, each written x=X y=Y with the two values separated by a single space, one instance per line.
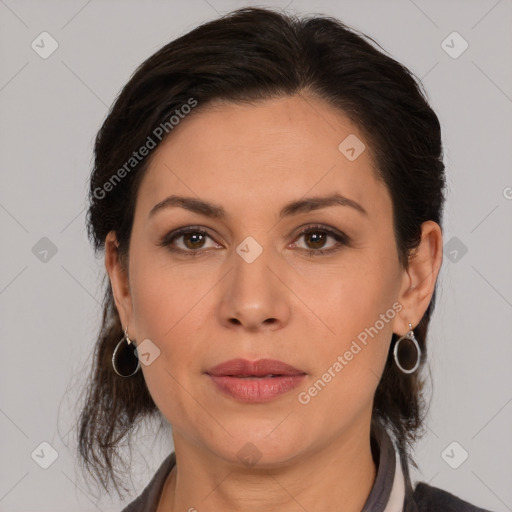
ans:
x=397 y=496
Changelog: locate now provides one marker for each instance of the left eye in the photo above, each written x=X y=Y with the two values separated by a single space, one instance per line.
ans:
x=318 y=236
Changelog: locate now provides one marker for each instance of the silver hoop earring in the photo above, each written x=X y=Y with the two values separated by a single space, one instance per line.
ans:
x=125 y=359
x=409 y=336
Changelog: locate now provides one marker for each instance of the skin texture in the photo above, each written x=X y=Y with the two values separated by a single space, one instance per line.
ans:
x=288 y=305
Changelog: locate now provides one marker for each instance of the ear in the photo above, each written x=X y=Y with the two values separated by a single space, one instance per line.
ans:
x=118 y=279
x=419 y=279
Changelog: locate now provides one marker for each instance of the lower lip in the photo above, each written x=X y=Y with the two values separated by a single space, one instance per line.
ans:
x=254 y=390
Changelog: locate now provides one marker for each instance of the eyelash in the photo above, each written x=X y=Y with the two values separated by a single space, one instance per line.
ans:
x=341 y=238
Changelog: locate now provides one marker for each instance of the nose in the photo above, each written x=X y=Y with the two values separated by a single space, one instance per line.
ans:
x=255 y=296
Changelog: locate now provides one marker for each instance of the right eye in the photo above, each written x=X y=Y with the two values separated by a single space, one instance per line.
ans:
x=192 y=240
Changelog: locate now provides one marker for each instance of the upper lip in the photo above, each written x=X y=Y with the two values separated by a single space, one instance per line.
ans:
x=259 y=368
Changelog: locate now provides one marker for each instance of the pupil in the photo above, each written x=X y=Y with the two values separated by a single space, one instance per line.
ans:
x=320 y=239
x=193 y=235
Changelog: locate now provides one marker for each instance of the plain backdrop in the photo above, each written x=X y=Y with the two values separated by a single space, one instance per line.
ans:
x=50 y=280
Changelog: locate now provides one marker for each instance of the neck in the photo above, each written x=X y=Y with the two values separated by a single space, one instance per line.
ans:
x=338 y=477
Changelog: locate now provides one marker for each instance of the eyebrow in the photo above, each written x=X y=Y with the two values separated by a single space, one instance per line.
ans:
x=299 y=206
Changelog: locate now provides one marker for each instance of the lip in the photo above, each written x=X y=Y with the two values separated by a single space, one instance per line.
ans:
x=259 y=368
x=255 y=381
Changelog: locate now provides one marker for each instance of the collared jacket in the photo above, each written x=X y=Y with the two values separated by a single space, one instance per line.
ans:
x=392 y=490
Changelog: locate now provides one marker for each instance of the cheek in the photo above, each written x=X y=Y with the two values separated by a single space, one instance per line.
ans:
x=163 y=295
x=349 y=360
x=166 y=310
x=172 y=306
x=359 y=306
x=356 y=295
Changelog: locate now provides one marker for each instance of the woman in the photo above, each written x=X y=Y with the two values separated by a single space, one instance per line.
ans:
x=268 y=191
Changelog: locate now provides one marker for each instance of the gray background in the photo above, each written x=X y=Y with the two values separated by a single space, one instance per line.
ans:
x=50 y=303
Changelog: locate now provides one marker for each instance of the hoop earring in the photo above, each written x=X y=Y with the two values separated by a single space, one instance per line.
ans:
x=125 y=357
x=409 y=336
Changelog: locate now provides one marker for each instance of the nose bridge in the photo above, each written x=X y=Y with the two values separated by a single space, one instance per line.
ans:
x=254 y=294
x=253 y=262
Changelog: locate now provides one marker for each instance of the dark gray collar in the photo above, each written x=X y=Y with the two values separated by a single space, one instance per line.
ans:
x=384 y=455
x=386 y=463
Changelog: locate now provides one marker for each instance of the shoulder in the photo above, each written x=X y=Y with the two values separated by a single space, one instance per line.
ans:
x=429 y=498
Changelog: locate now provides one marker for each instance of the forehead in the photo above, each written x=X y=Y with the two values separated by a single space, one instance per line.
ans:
x=262 y=155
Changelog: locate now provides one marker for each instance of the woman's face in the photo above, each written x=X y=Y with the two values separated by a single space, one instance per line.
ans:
x=253 y=287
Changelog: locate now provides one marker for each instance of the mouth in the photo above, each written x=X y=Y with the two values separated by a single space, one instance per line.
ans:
x=255 y=381
x=262 y=368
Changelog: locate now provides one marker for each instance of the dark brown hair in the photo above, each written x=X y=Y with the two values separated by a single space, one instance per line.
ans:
x=247 y=56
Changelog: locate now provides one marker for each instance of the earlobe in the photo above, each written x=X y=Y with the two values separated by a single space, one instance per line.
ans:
x=118 y=278
x=419 y=280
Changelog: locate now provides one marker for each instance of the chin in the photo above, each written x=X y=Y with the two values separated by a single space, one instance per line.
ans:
x=252 y=446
